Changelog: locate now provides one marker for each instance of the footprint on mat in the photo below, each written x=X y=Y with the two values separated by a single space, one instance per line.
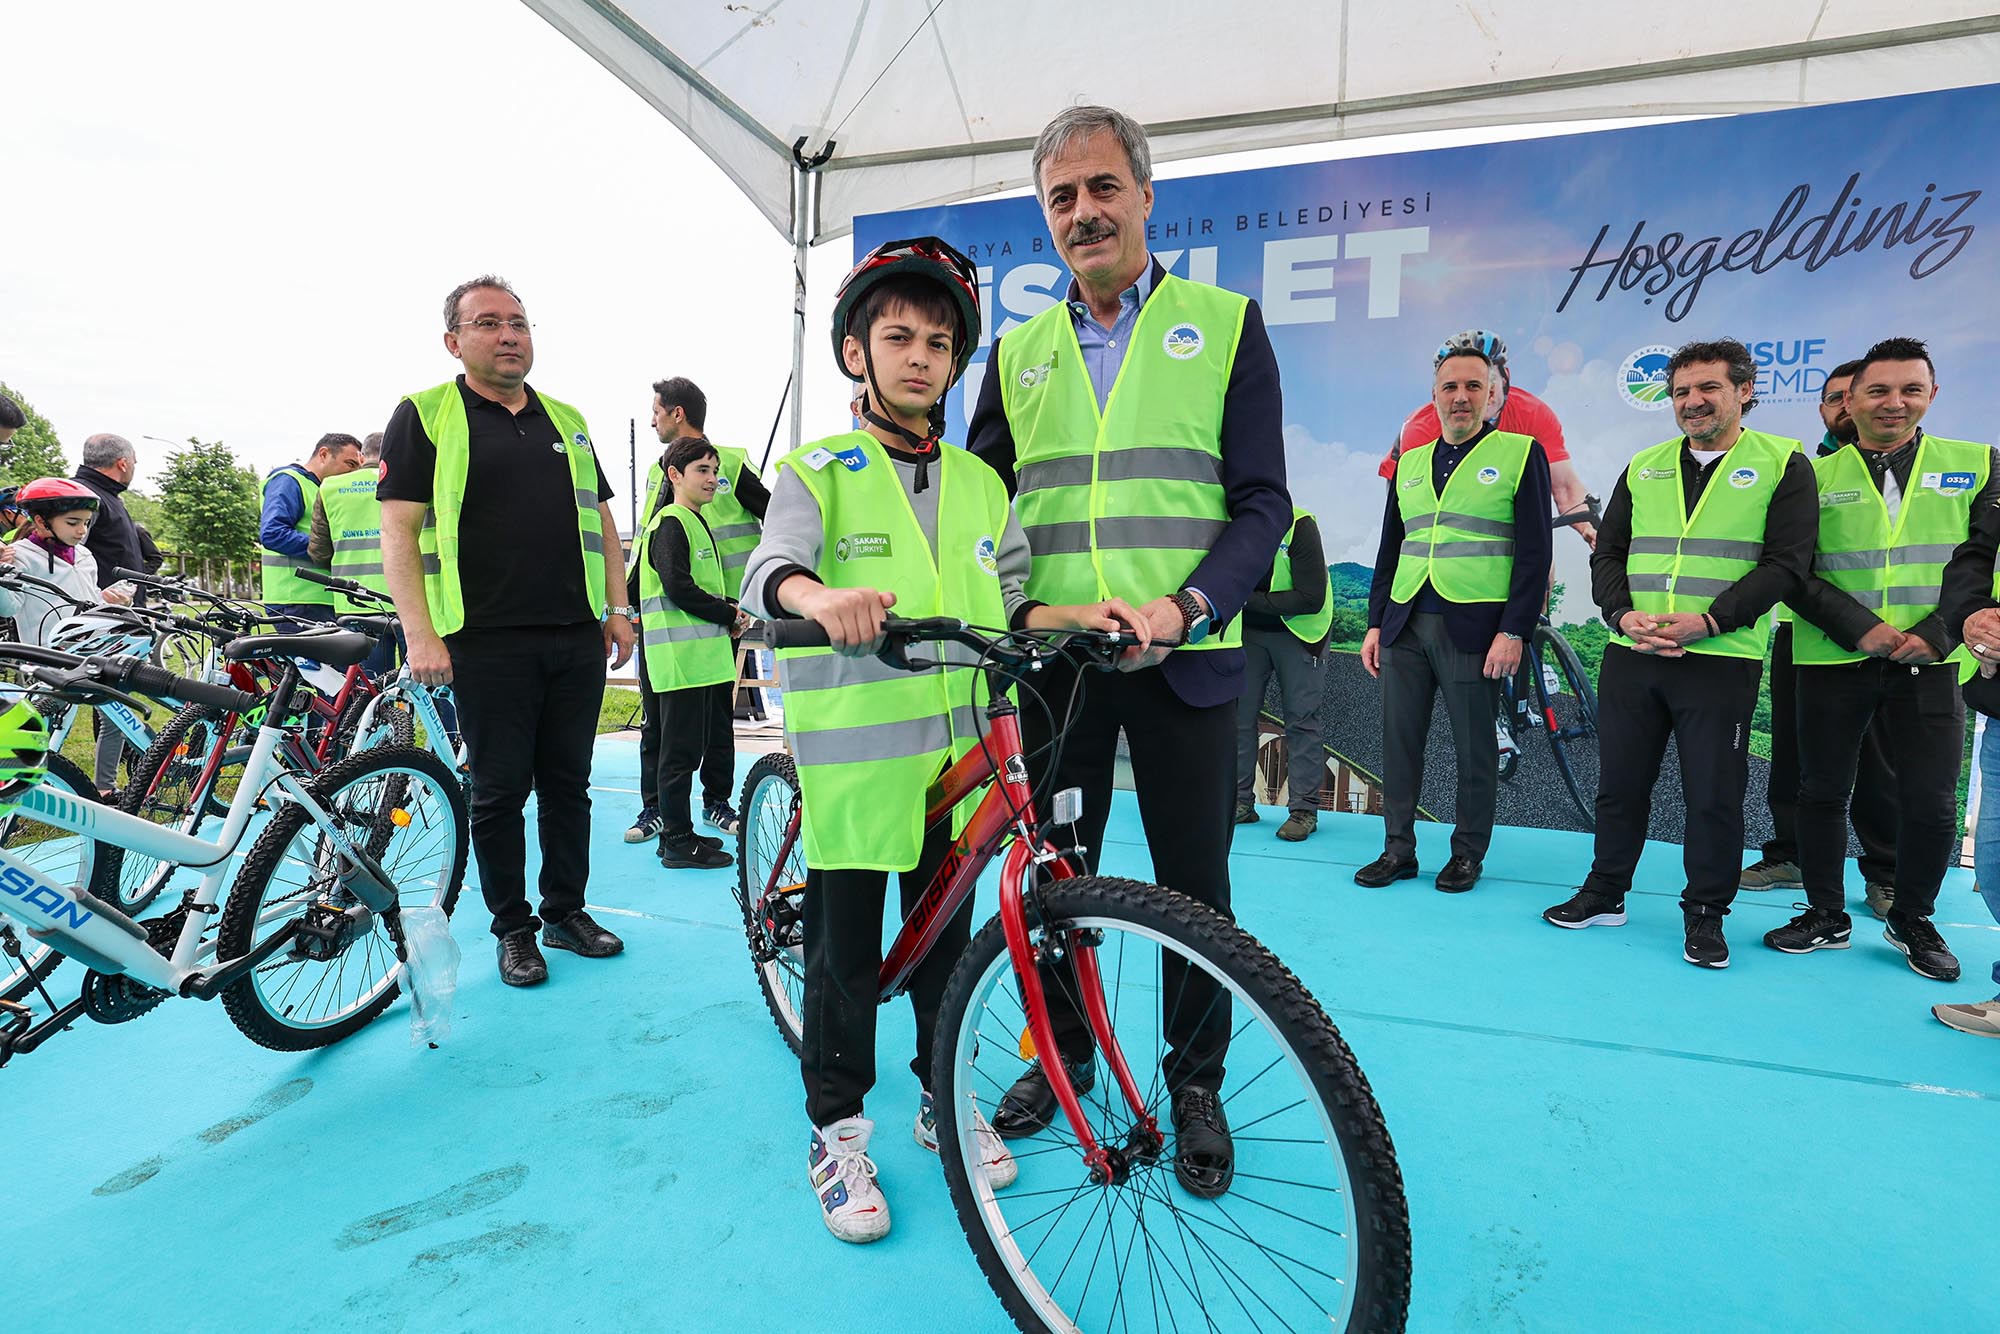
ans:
x=504 y=1243
x=272 y=1100
x=653 y=1037
x=463 y=1198
x=1516 y=1264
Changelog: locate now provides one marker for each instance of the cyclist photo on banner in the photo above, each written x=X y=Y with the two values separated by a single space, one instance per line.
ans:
x=885 y=516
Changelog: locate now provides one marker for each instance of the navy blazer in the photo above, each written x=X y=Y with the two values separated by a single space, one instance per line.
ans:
x=1472 y=625
x=1253 y=479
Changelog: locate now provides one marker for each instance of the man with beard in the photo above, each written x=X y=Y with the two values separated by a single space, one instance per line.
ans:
x=1703 y=536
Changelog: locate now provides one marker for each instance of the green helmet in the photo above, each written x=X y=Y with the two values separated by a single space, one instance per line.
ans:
x=24 y=748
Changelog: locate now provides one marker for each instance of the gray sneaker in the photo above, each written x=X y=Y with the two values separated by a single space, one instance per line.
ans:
x=1981 y=1019
x=1246 y=813
x=1768 y=874
x=1881 y=898
x=1298 y=826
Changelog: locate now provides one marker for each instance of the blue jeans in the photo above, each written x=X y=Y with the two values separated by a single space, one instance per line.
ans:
x=1986 y=837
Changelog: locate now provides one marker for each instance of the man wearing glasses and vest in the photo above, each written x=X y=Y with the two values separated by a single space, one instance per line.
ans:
x=1459 y=583
x=285 y=528
x=1869 y=642
x=1138 y=422
x=1703 y=536
x=517 y=617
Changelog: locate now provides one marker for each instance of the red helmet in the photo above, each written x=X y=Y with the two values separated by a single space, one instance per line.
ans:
x=928 y=257
x=49 y=496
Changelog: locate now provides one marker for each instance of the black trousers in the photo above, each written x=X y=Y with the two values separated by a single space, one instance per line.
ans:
x=1704 y=703
x=685 y=719
x=843 y=942
x=718 y=763
x=1416 y=668
x=1184 y=769
x=1873 y=813
x=528 y=700
x=1840 y=705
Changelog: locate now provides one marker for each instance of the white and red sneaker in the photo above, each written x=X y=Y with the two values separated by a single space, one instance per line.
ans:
x=1001 y=1169
x=843 y=1176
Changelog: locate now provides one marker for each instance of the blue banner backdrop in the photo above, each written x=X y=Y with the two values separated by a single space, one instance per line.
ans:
x=1808 y=234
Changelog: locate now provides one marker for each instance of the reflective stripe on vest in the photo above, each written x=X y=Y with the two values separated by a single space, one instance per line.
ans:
x=1311 y=627
x=1462 y=542
x=1125 y=501
x=1892 y=570
x=279 y=583
x=870 y=740
x=682 y=650
x=354 y=521
x=442 y=411
x=1681 y=562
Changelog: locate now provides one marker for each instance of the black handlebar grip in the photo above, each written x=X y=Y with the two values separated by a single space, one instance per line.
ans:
x=147 y=679
x=795 y=634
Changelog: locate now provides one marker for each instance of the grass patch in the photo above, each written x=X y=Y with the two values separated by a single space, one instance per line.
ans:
x=620 y=710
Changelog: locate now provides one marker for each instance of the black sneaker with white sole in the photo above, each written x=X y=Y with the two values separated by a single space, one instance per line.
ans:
x=1587 y=907
x=1922 y=946
x=1705 y=946
x=1813 y=929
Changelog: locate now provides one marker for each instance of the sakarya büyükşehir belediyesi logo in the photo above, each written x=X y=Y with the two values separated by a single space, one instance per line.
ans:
x=1643 y=377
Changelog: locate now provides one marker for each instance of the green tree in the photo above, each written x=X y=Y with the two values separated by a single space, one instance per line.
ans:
x=210 y=503
x=34 y=451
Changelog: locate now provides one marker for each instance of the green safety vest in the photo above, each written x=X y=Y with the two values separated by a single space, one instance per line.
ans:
x=442 y=411
x=354 y=520
x=1462 y=542
x=1125 y=501
x=682 y=650
x=736 y=530
x=869 y=740
x=281 y=582
x=1311 y=627
x=1893 y=570
x=1681 y=562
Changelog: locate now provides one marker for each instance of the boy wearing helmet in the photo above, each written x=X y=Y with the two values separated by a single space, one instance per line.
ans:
x=885 y=516
x=58 y=514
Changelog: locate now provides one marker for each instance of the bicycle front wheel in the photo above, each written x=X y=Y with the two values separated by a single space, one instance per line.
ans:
x=1311 y=1233
x=409 y=811
x=1568 y=703
x=773 y=923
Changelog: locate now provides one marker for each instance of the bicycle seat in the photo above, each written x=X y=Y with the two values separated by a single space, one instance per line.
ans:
x=375 y=627
x=335 y=648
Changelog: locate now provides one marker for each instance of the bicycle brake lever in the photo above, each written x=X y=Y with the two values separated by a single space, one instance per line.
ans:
x=79 y=685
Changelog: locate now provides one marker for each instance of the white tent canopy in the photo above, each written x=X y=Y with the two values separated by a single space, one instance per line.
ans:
x=922 y=102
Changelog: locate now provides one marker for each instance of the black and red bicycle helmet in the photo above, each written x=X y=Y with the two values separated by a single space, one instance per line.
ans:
x=49 y=496
x=925 y=256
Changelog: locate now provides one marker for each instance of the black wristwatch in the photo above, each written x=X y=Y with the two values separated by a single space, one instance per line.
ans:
x=1195 y=620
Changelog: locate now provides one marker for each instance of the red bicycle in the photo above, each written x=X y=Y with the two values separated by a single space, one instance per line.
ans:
x=1096 y=1233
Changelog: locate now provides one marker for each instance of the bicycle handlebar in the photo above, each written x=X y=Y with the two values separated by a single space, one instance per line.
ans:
x=1101 y=647
x=103 y=672
x=350 y=587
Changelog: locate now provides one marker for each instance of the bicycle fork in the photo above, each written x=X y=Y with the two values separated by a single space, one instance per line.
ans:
x=1108 y=1164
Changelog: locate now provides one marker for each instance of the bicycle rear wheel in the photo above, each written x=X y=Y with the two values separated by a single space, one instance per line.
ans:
x=774 y=925
x=409 y=811
x=1313 y=1231
x=1568 y=703
x=168 y=788
x=60 y=858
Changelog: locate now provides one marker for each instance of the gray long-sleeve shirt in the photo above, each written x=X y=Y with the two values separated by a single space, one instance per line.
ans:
x=795 y=535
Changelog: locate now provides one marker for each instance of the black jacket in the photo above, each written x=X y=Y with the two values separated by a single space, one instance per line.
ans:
x=114 y=538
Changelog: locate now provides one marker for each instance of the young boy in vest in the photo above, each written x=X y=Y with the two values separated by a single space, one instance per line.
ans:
x=687 y=621
x=885 y=517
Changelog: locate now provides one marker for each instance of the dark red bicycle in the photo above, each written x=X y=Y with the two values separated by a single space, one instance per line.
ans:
x=1096 y=1233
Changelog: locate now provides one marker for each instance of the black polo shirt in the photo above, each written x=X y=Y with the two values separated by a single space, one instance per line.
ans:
x=519 y=563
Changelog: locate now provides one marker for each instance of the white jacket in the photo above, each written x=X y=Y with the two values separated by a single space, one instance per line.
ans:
x=37 y=611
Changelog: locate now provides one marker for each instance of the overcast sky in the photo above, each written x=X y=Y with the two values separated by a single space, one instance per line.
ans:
x=238 y=221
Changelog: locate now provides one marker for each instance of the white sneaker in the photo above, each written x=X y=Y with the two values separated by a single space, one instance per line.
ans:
x=843 y=1176
x=1505 y=739
x=1001 y=1169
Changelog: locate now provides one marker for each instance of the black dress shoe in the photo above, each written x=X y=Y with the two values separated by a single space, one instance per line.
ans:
x=1459 y=874
x=1028 y=1107
x=1386 y=870
x=1204 y=1154
x=521 y=962
x=578 y=934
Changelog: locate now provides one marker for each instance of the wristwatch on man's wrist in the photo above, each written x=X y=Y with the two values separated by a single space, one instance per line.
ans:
x=627 y=612
x=1195 y=620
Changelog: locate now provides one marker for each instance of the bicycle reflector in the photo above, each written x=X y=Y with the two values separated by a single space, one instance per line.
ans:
x=24 y=749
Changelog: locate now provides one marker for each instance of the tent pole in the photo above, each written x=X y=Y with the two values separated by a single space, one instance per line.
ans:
x=801 y=234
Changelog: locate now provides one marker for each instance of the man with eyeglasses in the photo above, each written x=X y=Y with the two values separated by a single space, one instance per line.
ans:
x=518 y=619
x=1873 y=814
